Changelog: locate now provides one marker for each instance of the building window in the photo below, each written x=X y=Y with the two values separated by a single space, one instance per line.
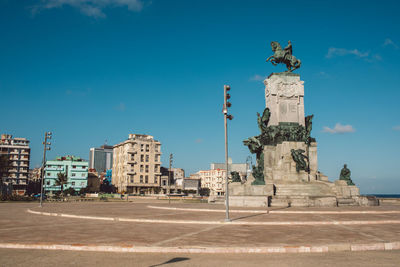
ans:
x=147 y=148
x=147 y=168
x=83 y=174
x=131 y=180
x=155 y=179
x=146 y=179
x=164 y=182
x=72 y=174
x=142 y=147
x=147 y=158
x=73 y=166
x=48 y=174
x=83 y=167
x=141 y=178
x=48 y=182
x=141 y=158
x=73 y=183
x=141 y=168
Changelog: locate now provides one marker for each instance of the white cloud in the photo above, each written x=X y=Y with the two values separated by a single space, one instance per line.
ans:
x=396 y=128
x=389 y=42
x=91 y=8
x=333 y=51
x=257 y=77
x=339 y=129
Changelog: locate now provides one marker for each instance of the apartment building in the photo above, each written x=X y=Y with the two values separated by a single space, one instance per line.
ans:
x=136 y=165
x=17 y=150
x=75 y=168
x=213 y=180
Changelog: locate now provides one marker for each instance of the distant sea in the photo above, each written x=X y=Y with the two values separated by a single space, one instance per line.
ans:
x=385 y=195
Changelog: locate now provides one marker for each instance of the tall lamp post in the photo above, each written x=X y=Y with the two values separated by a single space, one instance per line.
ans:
x=169 y=177
x=46 y=146
x=226 y=117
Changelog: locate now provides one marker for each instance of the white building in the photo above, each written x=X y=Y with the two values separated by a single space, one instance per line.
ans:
x=213 y=180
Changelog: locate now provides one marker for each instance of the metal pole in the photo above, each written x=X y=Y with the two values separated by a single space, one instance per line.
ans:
x=227 y=171
x=169 y=178
x=127 y=195
x=225 y=111
x=43 y=166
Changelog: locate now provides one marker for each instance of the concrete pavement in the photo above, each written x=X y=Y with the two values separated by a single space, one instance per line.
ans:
x=247 y=234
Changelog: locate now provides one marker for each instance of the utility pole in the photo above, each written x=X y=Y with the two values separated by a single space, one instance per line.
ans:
x=46 y=146
x=169 y=177
x=226 y=117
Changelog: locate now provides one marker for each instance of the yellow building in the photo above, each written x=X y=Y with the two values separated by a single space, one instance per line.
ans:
x=136 y=165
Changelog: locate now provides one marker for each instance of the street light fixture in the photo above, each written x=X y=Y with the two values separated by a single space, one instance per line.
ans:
x=46 y=147
x=227 y=116
x=169 y=177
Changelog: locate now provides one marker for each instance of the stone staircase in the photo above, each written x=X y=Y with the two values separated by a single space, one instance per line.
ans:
x=346 y=202
x=314 y=189
x=303 y=194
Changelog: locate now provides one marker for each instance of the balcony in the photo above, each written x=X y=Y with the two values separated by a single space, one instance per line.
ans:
x=131 y=172
x=131 y=151
x=12 y=170
x=24 y=153
x=131 y=161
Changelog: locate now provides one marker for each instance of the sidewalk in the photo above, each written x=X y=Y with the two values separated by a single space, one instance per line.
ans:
x=148 y=229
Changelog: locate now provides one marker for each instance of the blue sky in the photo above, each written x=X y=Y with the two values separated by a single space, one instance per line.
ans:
x=97 y=70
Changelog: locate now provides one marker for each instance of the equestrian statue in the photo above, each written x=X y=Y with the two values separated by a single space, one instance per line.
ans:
x=284 y=56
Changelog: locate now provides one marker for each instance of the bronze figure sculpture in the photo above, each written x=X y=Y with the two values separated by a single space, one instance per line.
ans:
x=345 y=175
x=284 y=56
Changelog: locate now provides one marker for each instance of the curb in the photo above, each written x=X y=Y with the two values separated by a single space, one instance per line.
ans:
x=215 y=222
x=209 y=250
x=283 y=211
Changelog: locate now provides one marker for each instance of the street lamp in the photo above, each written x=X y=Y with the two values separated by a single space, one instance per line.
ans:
x=227 y=116
x=169 y=177
x=46 y=147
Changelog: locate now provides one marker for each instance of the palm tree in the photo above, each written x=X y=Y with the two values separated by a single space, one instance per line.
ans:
x=62 y=179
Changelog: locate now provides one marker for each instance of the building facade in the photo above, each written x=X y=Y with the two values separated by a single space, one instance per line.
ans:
x=75 y=168
x=136 y=165
x=17 y=151
x=101 y=158
x=213 y=180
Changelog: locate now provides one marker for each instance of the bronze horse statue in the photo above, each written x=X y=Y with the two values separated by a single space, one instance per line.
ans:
x=284 y=56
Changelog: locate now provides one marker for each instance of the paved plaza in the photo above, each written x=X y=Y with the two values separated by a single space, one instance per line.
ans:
x=151 y=227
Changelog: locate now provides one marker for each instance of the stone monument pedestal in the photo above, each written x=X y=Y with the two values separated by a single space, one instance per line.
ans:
x=287 y=156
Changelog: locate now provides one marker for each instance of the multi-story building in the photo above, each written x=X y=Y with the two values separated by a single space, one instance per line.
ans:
x=35 y=174
x=136 y=165
x=213 y=180
x=75 y=168
x=178 y=173
x=18 y=152
x=241 y=168
x=101 y=158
